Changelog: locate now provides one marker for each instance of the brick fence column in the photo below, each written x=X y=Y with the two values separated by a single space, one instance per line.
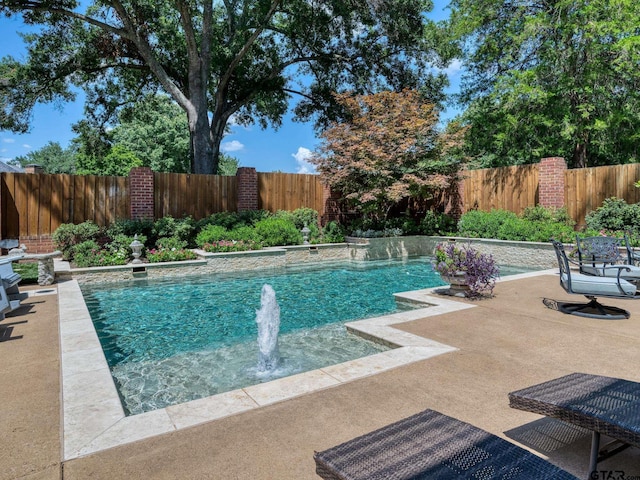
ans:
x=551 y=182
x=454 y=199
x=330 y=201
x=247 y=188
x=141 y=193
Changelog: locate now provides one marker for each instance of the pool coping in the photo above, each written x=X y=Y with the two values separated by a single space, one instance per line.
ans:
x=93 y=416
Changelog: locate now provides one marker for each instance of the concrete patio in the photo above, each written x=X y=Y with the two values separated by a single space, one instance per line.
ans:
x=504 y=343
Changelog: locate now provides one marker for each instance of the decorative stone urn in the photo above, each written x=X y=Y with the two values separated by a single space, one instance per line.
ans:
x=458 y=283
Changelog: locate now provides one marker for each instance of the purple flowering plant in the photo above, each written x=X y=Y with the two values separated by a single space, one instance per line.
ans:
x=480 y=269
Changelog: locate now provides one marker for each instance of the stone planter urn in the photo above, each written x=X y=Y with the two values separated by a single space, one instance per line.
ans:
x=458 y=283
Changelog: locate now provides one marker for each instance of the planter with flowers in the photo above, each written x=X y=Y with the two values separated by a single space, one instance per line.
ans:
x=468 y=271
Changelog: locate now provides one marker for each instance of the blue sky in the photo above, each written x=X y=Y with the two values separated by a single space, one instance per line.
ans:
x=268 y=150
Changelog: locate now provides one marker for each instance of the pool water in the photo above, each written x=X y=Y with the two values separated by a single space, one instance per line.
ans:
x=171 y=341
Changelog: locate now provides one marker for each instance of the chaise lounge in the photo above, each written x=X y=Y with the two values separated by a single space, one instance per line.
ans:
x=430 y=445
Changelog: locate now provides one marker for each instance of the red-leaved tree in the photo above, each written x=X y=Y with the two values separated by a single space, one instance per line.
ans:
x=389 y=150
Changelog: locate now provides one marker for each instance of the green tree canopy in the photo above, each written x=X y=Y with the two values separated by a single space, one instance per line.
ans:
x=214 y=58
x=52 y=158
x=551 y=77
x=155 y=130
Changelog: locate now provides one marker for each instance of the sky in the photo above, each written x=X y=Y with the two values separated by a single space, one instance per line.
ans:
x=285 y=149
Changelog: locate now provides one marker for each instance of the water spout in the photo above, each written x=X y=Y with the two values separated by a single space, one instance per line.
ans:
x=268 y=320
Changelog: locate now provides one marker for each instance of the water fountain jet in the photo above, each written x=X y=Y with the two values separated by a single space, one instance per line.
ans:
x=268 y=320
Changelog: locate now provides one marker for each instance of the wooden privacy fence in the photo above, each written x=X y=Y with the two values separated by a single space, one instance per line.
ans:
x=580 y=190
x=587 y=188
x=36 y=204
x=179 y=195
x=508 y=188
x=290 y=191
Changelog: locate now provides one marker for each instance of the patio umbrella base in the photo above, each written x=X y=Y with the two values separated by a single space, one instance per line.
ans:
x=593 y=309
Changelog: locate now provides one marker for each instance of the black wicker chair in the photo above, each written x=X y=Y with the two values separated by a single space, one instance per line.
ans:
x=430 y=445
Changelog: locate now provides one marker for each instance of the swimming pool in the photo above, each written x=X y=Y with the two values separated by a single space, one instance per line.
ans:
x=169 y=342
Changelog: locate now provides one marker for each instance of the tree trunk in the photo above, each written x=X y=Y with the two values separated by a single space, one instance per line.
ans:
x=203 y=161
x=580 y=155
x=218 y=126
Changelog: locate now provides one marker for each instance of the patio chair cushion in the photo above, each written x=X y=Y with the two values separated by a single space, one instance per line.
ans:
x=599 y=286
x=605 y=270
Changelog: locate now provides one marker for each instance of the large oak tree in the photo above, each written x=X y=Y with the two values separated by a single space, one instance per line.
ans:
x=215 y=58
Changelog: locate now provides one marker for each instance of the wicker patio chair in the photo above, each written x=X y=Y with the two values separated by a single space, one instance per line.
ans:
x=605 y=405
x=592 y=287
x=430 y=445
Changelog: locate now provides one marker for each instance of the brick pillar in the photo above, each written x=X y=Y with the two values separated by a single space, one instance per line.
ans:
x=141 y=193
x=331 y=205
x=551 y=182
x=247 y=188
x=453 y=198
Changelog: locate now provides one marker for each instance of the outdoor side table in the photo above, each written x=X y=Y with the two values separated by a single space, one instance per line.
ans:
x=604 y=405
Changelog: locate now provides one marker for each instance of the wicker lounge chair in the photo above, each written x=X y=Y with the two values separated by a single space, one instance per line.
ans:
x=430 y=445
x=593 y=286
x=604 y=405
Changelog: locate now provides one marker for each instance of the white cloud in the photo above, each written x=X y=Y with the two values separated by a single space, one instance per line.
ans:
x=454 y=68
x=27 y=146
x=8 y=140
x=302 y=156
x=232 y=146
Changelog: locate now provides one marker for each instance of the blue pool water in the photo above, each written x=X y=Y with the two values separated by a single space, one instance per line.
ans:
x=170 y=341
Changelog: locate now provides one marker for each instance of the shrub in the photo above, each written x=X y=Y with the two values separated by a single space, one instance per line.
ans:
x=547 y=215
x=170 y=243
x=210 y=234
x=170 y=255
x=182 y=228
x=301 y=217
x=247 y=234
x=68 y=235
x=434 y=223
x=90 y=254
x=231 y=220
x=143 y=228
x=278 y=231
x=231 y=246
x=614 y=214
x=332 y=233
x=479 y=224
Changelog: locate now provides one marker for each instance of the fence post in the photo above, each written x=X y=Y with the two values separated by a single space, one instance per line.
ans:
x=551 y=181
x=247 y=188
x=330 y=202
x=141 y=193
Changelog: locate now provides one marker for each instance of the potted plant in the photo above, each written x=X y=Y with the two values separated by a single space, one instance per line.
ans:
x=468 y=271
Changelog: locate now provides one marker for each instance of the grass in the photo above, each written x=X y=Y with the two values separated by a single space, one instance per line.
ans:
x=28 y=271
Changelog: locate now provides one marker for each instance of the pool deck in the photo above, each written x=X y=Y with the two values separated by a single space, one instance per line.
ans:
x=501 y=344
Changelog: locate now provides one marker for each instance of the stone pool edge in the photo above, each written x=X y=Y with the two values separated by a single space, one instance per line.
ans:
x=93 y=416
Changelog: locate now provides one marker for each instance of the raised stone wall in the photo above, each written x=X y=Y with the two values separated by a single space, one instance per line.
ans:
x=522 y=254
